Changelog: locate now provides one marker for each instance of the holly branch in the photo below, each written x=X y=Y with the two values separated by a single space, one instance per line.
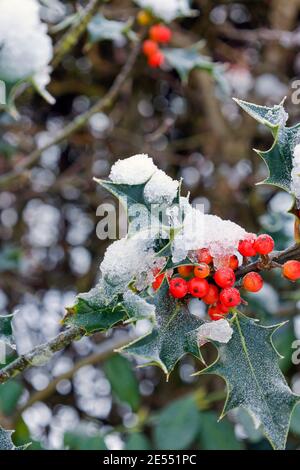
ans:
x=37 y=355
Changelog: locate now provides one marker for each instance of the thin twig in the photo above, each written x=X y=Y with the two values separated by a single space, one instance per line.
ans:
x=72 y=36
x=100 y=106
x=105 y=350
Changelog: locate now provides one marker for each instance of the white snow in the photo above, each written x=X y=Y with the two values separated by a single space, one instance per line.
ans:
x=167 y=10
x=200 y=230
x=137 y=307
x=219 y=330
x=131 y=258
x=160 y=188
x=26 y=49
x=133 y=170
x=295 y=185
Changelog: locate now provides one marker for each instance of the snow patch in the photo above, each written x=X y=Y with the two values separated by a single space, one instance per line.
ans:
x=160 y=189
x=219 y=330
x=295 y=185
x=133 y=170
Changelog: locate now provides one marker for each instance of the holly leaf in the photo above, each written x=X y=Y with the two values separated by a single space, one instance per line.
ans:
x=188 y=59
x=6 y=335
x=6 y=442
x=249 y=365
x=173 y=336
x=279 y=158
x=101 y=29
x=92 y=313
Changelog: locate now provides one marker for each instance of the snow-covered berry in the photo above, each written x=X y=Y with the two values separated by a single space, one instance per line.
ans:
x=215 y=314
x=204 y=256
x=233 y=262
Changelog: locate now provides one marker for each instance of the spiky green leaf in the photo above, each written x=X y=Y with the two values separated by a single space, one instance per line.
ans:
x=6 y=442
x=173 y=336
x=279 y=158
x=249 y=365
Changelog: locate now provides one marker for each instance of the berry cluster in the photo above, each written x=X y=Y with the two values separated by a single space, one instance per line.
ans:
x=217 y=287
x=158 y=34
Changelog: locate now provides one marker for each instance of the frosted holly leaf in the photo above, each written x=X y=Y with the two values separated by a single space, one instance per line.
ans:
x=6 y=442
x=295 y=184
x=219 y=331
x=101 y=29
x=279 y=159
x=249 y=365
x=168 y=10
x=92 y=312
x=174 y=335
x=137 y=308
x=188 y=59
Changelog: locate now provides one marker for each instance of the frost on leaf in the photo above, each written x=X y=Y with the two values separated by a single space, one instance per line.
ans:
x=279 y=158
x=133 y=170
x=295 y=186
x=167 y=10
x=249 y=365
x=219 y=330
x=138 y=308
x=6 y=333
x=6 y=442
x=26 y=49
x=174 y=335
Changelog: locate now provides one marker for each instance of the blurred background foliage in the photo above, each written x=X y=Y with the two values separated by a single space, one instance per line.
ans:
x=49 y=249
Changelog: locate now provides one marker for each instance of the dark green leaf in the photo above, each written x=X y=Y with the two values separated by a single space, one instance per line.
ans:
x=216 y=435
x=177 y=425
x=174 y=335
x=92 y=313
x=10 y=393
x=295 y=422
x=279 y=158
x=249 y=365
x=137 y=441
x=77 y=440
x=123 y=381
x=6 y=333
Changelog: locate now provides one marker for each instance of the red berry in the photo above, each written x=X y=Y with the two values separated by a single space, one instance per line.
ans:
x=202 y=271
x=149 y=47
x=156 y=60
x=212 y=296
x=246 y=247
x=185 y=271
x=224 y=277
x=158 y=281
x=230 y=297
x=253 y=282
x=291 y=270
x=215 y=314
x=160 y=33
x=264 y=244
x=233 y=262
x=178 y=287
x=204 y=256
x=222 y=308
x=198 y=287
